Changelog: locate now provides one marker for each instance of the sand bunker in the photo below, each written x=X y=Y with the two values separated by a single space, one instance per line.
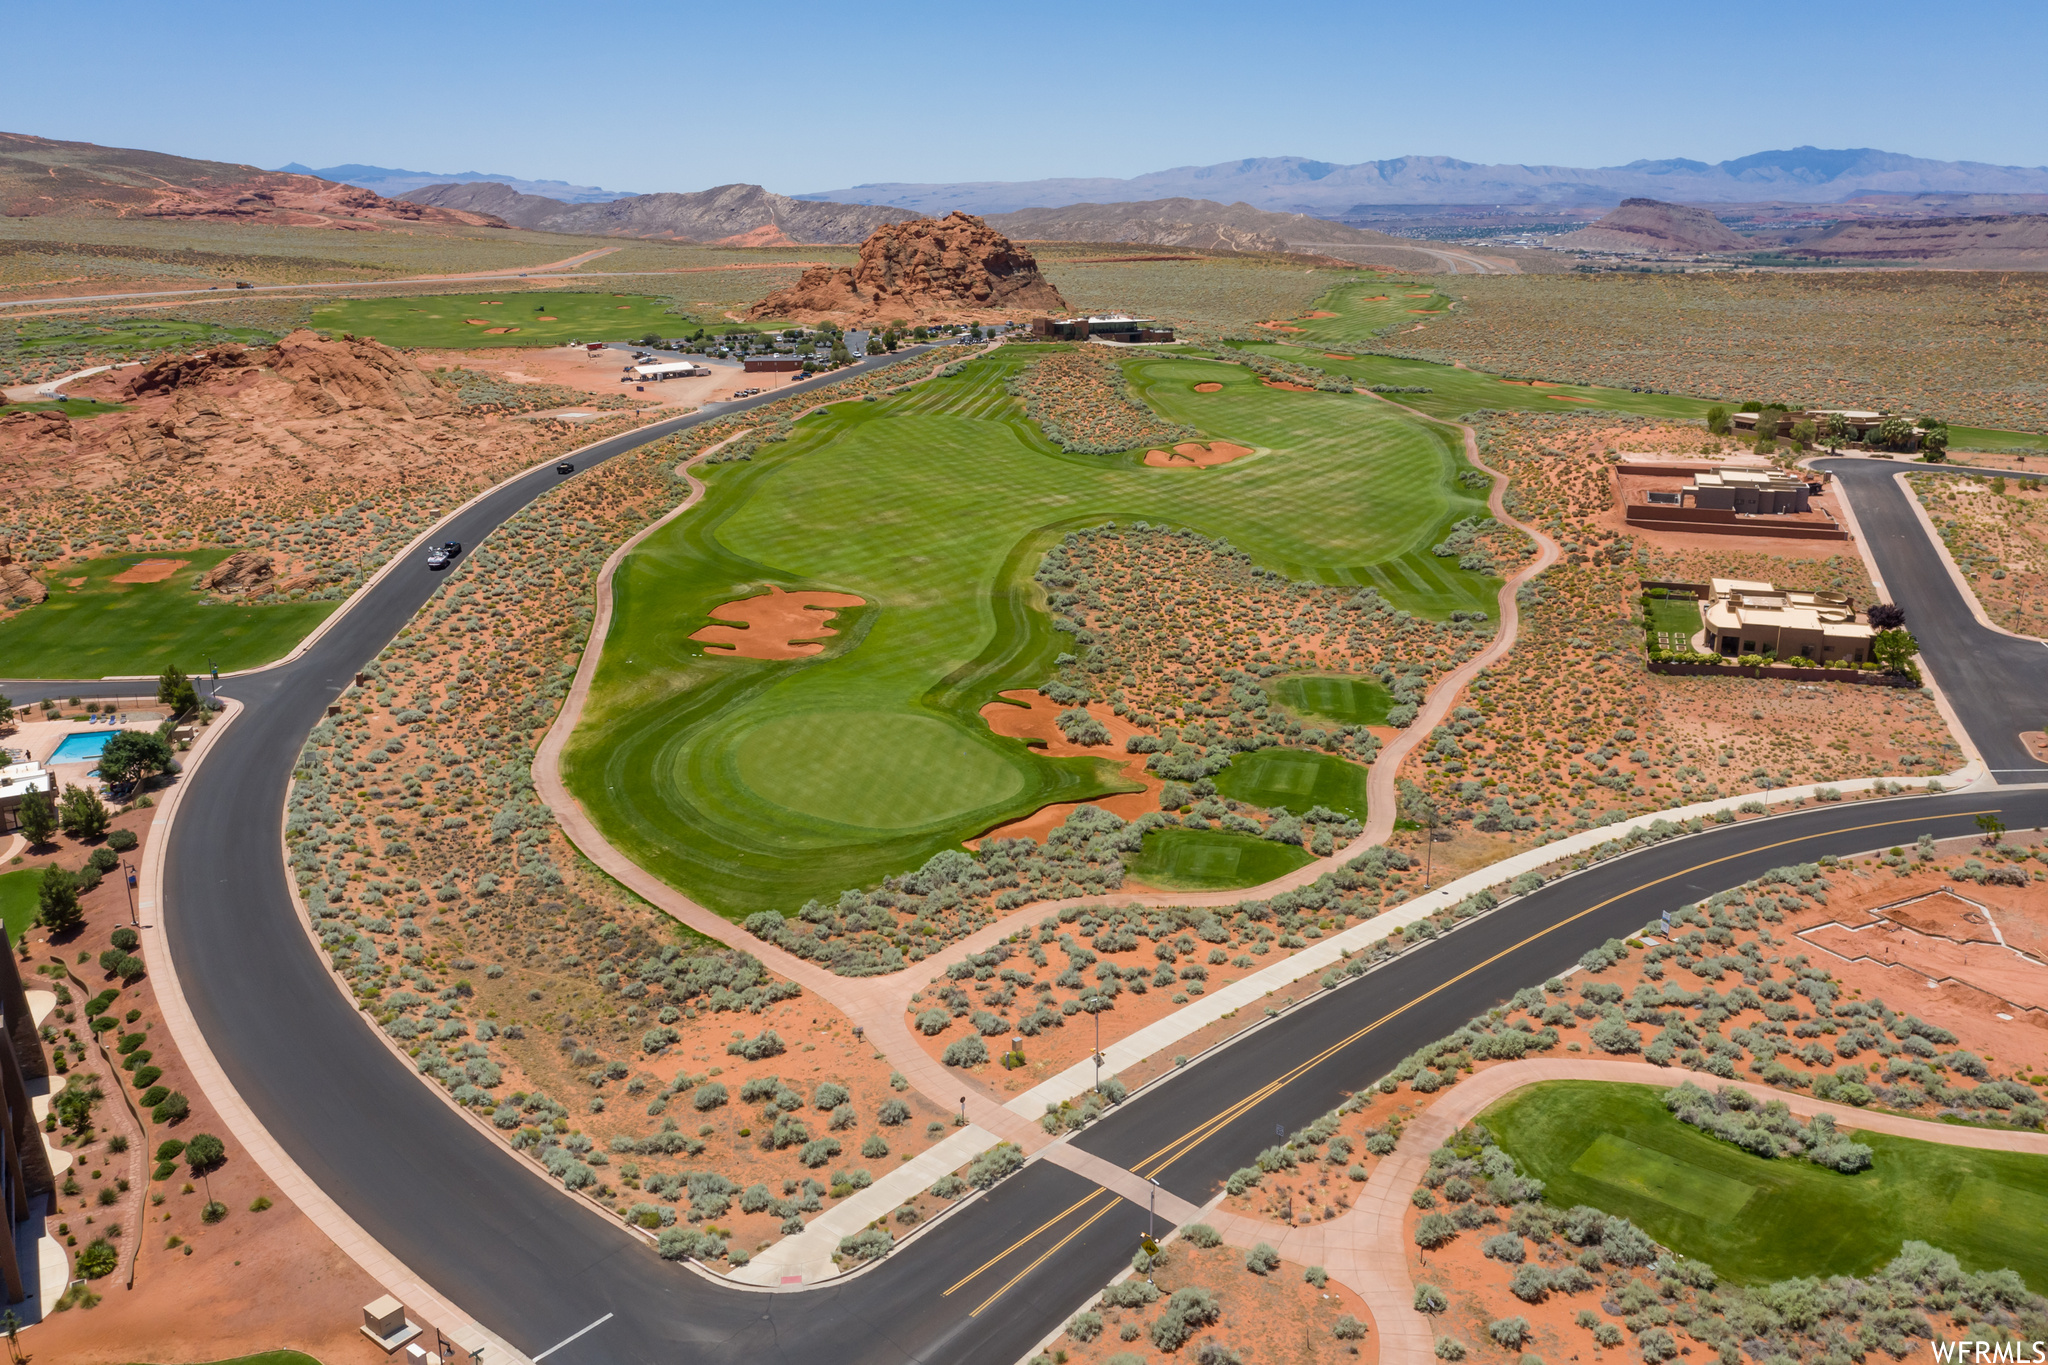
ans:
x=489 y=303
x=478 y=322
x=547 y=319
x=777 y=625
x=1190 y=455
x=1278 y=326
x=1425 y=310
x=1418 y=296
x=1033 y=718
x=1283 y=384
x=1211 y=387
x=1319 y=314
x=1567 y=398
x=498 y=331
x=149 y=571
x=1376 y=298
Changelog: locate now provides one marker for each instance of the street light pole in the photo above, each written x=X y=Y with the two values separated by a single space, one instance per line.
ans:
x=1151 y=1206
x=128 y=875
x=1098 y=1048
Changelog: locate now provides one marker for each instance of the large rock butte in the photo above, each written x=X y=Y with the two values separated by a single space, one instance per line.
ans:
x=953 y=266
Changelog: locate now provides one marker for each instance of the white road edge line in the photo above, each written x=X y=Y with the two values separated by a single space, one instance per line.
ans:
x=571 y=1337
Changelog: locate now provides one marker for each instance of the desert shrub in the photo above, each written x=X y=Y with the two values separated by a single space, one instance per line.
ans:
x=1449 y=1348
x=767 y=1043
x=708 y=1096
x=949 y=1187
x=1531 y=1284
x=1509 y=1332
x=1348 y=1328
x=1132 y=1293
x=99 y=1259
x=1430 y=1299
x=818 y=1151
x=869 y=1244
x=829 y=1095
x=1085 y=1326
x=893 y=1112
x=1433 y=1230
x=1187 y=1310
x=875 y=1147
x=1504 y=1247
x=1262 y=1260
x=968 y=1051
x=995 y=1163
x=1201 y=1235
x=170 y=1109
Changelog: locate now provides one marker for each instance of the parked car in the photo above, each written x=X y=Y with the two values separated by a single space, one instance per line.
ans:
x=565 y=468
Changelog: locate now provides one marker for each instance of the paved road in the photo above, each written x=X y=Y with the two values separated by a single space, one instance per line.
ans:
x=1997 y=684
x=536 y=1267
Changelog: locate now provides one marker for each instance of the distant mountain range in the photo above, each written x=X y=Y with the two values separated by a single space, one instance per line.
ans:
x=395 y=184
x=1293 y=184
x=744 y=215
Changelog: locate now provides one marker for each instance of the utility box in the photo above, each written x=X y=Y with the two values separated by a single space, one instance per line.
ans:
x=384 y=1323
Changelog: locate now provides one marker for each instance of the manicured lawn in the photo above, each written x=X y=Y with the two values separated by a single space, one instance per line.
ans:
x=1296 y=779
x=18 y=903
x=1211 y=860
x=272 y=1358
x=1673 y=620
x=1362 y=312
x=756 y=785
x=441 y=321
x=70 y=407
x=1616 y=1148
x=103 y=628
x=1349 y=701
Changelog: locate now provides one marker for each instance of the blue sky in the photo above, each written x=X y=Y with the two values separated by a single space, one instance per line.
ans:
x=678 y=96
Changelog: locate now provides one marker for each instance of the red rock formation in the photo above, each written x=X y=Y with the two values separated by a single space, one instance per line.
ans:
x=953 y=265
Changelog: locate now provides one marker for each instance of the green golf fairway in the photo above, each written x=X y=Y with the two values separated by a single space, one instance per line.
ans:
x=1349 y=701
x=1362 y=312
x=1296 y=779
x=1753 y=1219
x=756 y=785
x=441 y=321
x=1211 y=860
x=102 y=628
x=19 y=901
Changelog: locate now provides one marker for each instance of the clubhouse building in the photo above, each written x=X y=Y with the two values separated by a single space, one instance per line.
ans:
x=1115 y=327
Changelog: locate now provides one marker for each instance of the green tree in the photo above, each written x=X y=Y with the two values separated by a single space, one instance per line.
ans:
x=38 y=817
x=1766 y=426
x=1891 y=434
x=1803 y=433
x=131 y=755
x=175 y=690
x=57 y=901
x=1993 y=829
x=1895 y=650
x=1934 y=444
x=1717 y=420
x=82 y=814
x=874 y=344
x=6 y=710
x=1838 y=430
x=203 y=1152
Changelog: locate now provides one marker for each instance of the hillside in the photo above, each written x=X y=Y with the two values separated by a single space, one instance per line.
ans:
x=1202 y=223
x=396 y=183
x=1813 y=175
x=43 y=178
x=951 y=269
x=2012 y=241
x=713 y=215
x=1652 y=225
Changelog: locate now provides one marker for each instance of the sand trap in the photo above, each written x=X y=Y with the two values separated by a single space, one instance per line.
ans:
x=776 y=625
x=1567 y=398
x=1283 y=384
x=478 y=322
x=624 y=306
x=149 y=571
x=499 y=331
x=1211 y=387
x=489 y=303
x=1332 y=355
x=1190 y=455
x=1425 y=310
x=1026 y=715
x=1418 y=296
x=1319 y=314
x=1376 y=298
x=1278 y=326
x=547 y=319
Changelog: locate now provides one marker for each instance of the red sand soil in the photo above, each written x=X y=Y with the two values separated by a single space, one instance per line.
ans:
x=1319 y=314
x=1025 y=715
x=1333 y=355
x=1376 y=298
x=776 y=625
x=1424 y=310
x=1273 y=1319
x=1283 y=384
x=2037 y=744
x=576 y=368
x=1208 y=388
x=149 y=571
x=1632 y=488
x=1191 y=455
x=1415 y=296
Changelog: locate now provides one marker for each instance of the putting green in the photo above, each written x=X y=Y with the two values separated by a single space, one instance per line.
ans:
x=466 y=321
x=1349 y=701
x=101 y=628
x=935 y=506
x=1296 y=779
x=1211 y=860
x=1616 y=1148
x=872 y=772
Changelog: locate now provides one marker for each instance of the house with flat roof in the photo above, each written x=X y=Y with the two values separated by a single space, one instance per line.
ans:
x=1111 y=327
x=16 y=781
x=1758 y=492
x=1744 y=617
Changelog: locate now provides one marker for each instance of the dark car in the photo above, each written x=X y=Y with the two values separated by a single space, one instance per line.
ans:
x=451 y=548
x=565 y=468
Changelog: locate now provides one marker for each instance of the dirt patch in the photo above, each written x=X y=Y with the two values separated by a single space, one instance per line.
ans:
x=1319 y=313
x=777 y=625
x=1192 y=455
x=1333 y=355
x=1209 y=388
x=1283 y=384
x=149 y=571
x=1279 y=326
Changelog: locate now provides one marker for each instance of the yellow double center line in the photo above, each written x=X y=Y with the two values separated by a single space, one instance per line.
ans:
x=1151 y=1165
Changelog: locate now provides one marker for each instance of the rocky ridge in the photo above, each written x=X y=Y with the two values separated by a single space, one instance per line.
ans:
x=953 y=267
x=1653 y=225
x=718 y=215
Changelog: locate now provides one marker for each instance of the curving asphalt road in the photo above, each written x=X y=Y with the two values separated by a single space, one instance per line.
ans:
x=487 y=1230
x=1997 y=684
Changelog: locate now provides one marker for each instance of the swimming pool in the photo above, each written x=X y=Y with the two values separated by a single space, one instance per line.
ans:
x=81 y=745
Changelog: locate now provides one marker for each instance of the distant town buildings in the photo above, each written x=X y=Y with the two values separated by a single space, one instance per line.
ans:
x=1743 y=617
